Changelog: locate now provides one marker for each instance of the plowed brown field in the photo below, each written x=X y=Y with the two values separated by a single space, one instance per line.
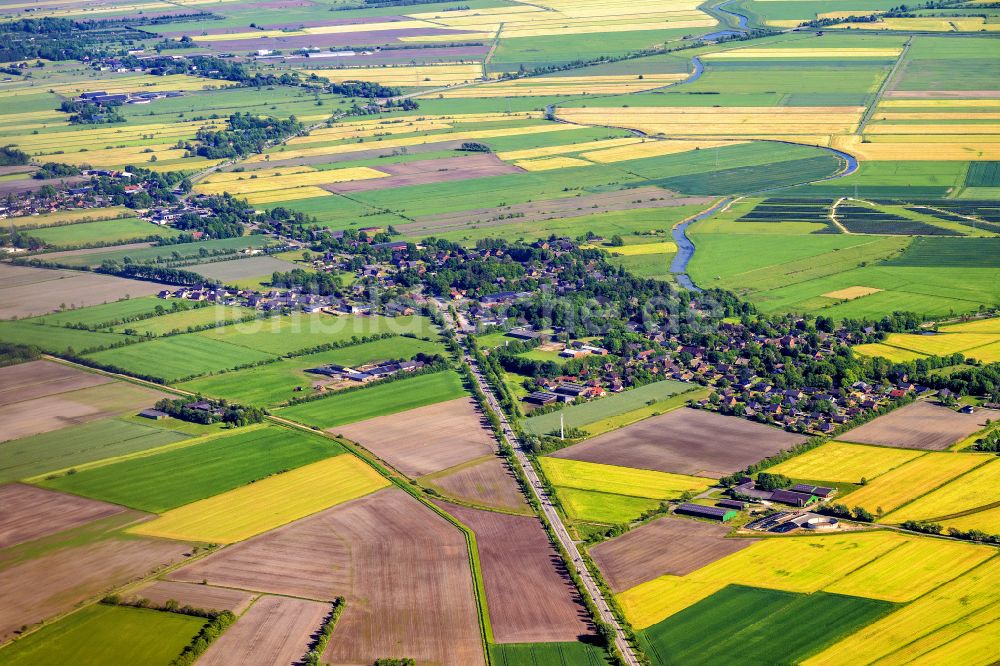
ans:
x=196 y=596
x=488 y=482
x=921 y=425
x=276 y=630
x=685 y=441
x=426 y=439
x=665 y=546
x=403 y=570
x=55 y=582
x=27 y=512
x=530 y=596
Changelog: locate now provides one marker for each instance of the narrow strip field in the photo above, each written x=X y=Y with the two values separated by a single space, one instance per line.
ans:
x=274 y=501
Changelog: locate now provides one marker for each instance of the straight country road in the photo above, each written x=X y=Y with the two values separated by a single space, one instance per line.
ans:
x=538 y=490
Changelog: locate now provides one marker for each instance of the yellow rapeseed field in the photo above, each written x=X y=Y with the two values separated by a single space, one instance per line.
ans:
x=991 y=325
x=956 y=129
x=819 y=561
x=907 y=482
x=291 y=194
x=64 y=216
x=405 y=75
x=645 y=248
x=899 y=148
x=987 y=521
x=529 y=153
x=230 y=176
x=289 y=181
x=845 y=463
x=638 y=151
x=466 y=135
x=940 y=344
x=258 y=507
x=912 y=569
x=549 y=163
x=620 y=480
x=965 y=493
x=885 y=351
x=971 y=600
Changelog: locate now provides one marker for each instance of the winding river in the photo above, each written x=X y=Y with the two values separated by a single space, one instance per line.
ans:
x=686 y=248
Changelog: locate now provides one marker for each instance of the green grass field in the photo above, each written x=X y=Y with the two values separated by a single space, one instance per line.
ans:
x=165 y=252
x=181 y=321
x=281 y=335
x=91 y=234
x=163 y=481
x=547 y=654
x=274 y=383
x=178 y=357
x=96 y=315
x=56 y=338
x=577 y=416
x=762 y=626
x=80 y=444
x=106 y=635
x=378 y=400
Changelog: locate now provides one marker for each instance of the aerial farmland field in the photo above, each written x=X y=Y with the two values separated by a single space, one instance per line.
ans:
x=499 y=332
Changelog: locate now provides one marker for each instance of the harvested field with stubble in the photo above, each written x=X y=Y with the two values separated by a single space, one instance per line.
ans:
x=528 y=591
x=426 y=439
x=685 y=441
x=403 y=570
x=51 y=412
x=276 y=630
x=25 y=296
x=29 y=513
x=665 y=546
x=487 y=481
x=41 y=587
x=37 y=379
x=197 y=596
x=921 y=425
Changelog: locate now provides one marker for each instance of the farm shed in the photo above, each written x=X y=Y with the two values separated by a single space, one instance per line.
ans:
x=819 y=491
x=793 y=498
x=154 y=414
x=711 y=512
x=731 y=504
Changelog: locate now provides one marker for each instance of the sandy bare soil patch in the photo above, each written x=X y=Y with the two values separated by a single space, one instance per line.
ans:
x=665 y=546
x=488 y=482
x=52 y=412
x=850 y=293
x=72 y=289
x=588 y=204
x=27 y=512
x=685 y=441
x=528 y=590
x=55 y=582
x=426 y=439
x=37 y=379
x=424 y=172
x=276 y=630
x=921 y=425
x=196 y=596
x=403 y=569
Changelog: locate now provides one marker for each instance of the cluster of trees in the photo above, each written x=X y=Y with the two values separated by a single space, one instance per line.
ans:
x=204 y=638
x=220 y=410
x=989 y=442
x=314 y=656
x=88 y=113
x=246 y=134
x=12 y=354
x=228 y=219
x=322 y=284
x=56 y=170
x=11 y=156
x=367 y=89
x=152 y=272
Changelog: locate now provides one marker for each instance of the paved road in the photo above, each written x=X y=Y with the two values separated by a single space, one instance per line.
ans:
x=546 y=502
